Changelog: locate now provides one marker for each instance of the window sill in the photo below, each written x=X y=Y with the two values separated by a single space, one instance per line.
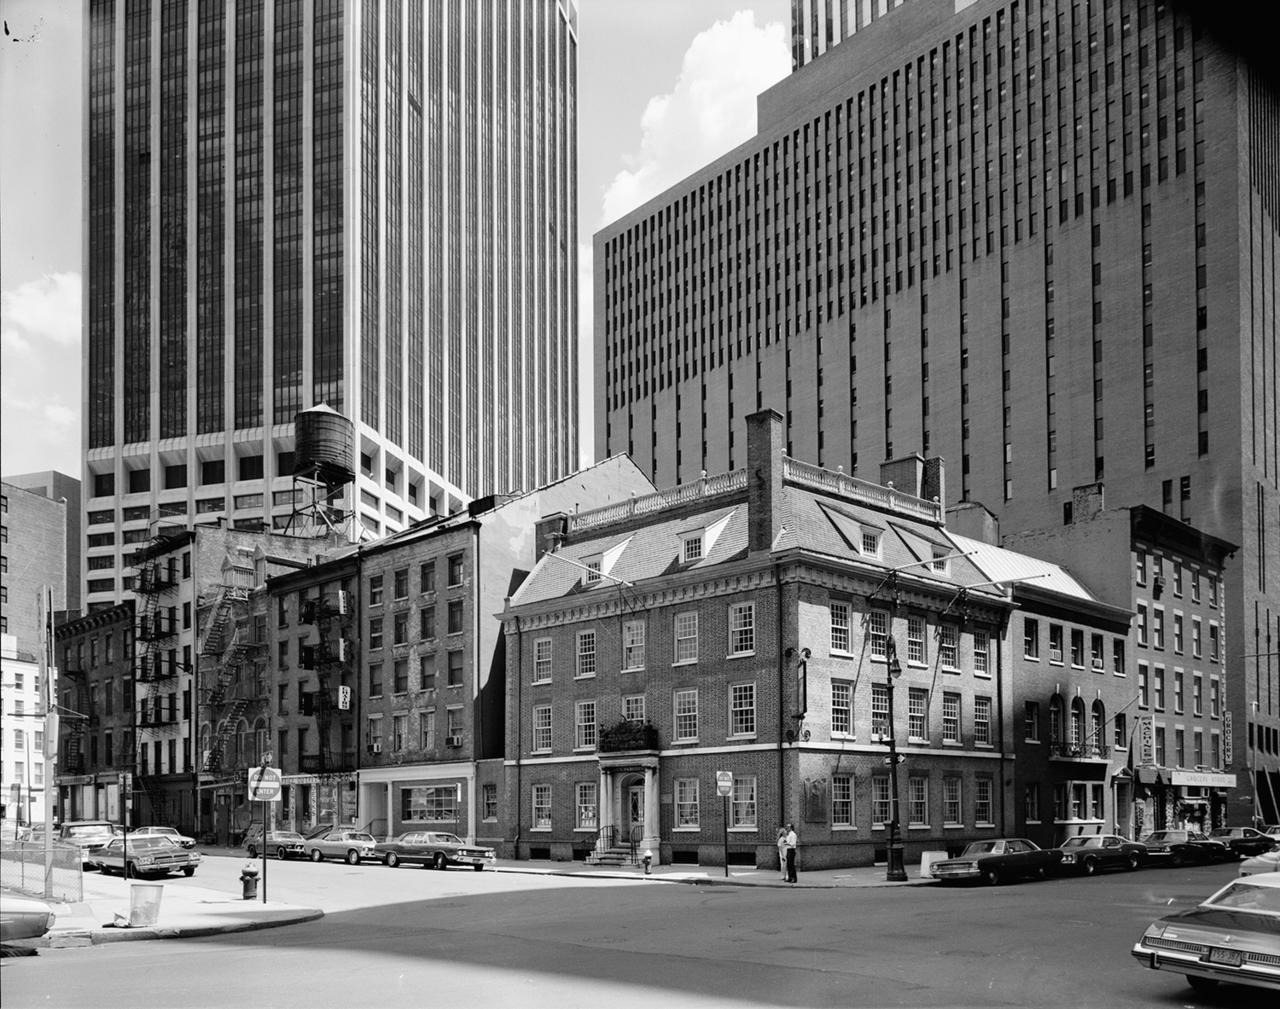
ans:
x=738 y=737
x=684 y=662
x=841 y=653
x=982 y=674
x=988 y=823
x=538 y=683
x=843 y=827
x=913 y=664
x=584 y=749
x=751 y=829
x=539 y=830
x=586 y=830
x=952 y=742
x=635 y=669
x=1033 y=742
x=687 y=830
x=953 y=826
x=919 y=826
x=1117 y=672
x=584 y=676
x=955 y=670
x=539 y=753
x=685 y=742
x=1031 y=822
x=1030 y=658
x=984 y=746
x=741 y=655
x=845 y=736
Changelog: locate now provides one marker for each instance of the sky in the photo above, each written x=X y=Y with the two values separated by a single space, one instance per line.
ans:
x=664 y=86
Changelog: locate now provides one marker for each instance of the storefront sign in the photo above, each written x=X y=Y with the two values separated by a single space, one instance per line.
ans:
x=1202 y=779
x=1227 y=756
x=1146 y=736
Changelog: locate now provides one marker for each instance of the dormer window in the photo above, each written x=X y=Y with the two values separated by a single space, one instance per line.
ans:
x=593 y=571
x=870 y=543
x=693 y=547
x=940 y=561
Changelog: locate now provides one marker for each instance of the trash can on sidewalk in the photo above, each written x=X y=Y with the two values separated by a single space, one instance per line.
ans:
x=144 y=903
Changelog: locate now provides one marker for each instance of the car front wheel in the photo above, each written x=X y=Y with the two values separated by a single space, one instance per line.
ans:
x=1176 y=860
x=1132 y=861
x=130 y=871
x=479 y=868
x=188 y=870
x=438 y=861
x=392 y=860
x=315 y=855
x=991 y=876
x=1090 y=866
x=281 y=854
x=353 y=857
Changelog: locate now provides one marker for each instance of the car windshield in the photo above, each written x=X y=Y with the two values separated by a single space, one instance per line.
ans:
x=980 y=848
x=360 y=836
x=286 y=835
x=1082 y=842
x=89 y=829
x=448 y=839
x=1245 y=896
x=169 y=831
x=149 y=841
x=1161 y=836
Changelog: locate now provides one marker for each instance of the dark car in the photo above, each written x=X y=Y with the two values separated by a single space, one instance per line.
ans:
x=1184 y=847
x=146 y=855
x=996 y=861
x=281 y=843
x=1232 y=936
x=1244 y=842
x=1092 y=852
x=434 y=848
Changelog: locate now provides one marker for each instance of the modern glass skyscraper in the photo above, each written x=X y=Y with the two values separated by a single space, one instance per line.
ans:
x=1036 y=238
x=364 y=203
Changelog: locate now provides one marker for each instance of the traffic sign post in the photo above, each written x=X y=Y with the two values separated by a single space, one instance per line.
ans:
x=265 y=784
x=724 y=786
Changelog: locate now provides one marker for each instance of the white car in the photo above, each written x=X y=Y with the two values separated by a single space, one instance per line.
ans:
x=171 y=833
x=1266 y=862
x=1234 y=936
x=24 y=917
x=352 y=846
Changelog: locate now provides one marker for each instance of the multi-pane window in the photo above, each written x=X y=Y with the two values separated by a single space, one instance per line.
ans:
x=879 y=709
x=593 y=571
x=742 y=628
x=841 y=707
x=917 y=801
x=1140 y=567
x=399 y=732
x=693 y=547
x=427 y=576
x=400 y=676
x=1215 y=697
x=633 y=645
x=1097 y=652
x=489 y=801
x=455 y=616
x=1031 y=803
x=1160 y=750
x=881 y=805
x=542 y=728
x=1213 y=642
x=375 y=633
x=686 y=796
x=981 y=655
x=1177 y=633
x=455 y=570
x=1213 y=590
x=1055 y=642
x=951 y=809
x=375 y=679
x=453 y=722
x=685 y=707
x=1031 y=722
x=584 y=721
x=454 y=670
x=1215 y=749
x=375 y=591
x=950 y=718
x=918 y=713
x=1077 y=648
x=633 y=708
x=1144 y=685
x=1157 y=628
x=427 y=623
x=742 y=709
x=1143 y=639
x=870 y=543
x=1159 y=687
x=586 y=805
x=542 y=660
x=1197 y=694
x=982 y=721
x=686 y=634
x=373 y=728
x=1121 y=733
x=1117 y=657
x=839 y=627
x=1179 y=747
x=541 y=807
x=429 y=804
x=427 y=729
x=1030 y=638
x=586 y=653
x=743 y=804
x=842 y=800
x=1177 y=690
x=400 y=583
x=949 y=646
x=400 y=628
x=916 y=651
x=1197 y=747
x=878 y=633
x=1197 y=638
x=982 y=800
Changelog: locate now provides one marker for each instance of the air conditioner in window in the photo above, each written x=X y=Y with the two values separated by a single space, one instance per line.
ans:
x=453 y=741
x=375 y=747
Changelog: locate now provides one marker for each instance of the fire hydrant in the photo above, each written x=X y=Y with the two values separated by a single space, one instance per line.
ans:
x=249 y=881
x=648 y=861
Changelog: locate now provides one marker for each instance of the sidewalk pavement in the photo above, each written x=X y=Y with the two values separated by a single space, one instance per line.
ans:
x=188 y=911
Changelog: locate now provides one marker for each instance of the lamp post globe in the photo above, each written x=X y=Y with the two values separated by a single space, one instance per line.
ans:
x=894 y=871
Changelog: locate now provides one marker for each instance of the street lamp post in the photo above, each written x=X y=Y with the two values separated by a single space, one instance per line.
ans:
x=894 y=872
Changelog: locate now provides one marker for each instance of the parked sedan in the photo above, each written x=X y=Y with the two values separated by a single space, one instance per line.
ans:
x=1243 y=841
x=1232 y=936
x=146 y=855
x=439 y=850
x=1269 y=862
x=997 y=860
x=24 y=917
x=281 y=843
x=181 y=840
x=1092 y=852
x=1184 y=847
x=353 y=846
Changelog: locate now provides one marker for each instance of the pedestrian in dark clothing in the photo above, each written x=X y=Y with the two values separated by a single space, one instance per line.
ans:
x=792 y=841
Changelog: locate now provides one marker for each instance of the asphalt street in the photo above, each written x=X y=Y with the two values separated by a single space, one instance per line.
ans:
x=413 y=937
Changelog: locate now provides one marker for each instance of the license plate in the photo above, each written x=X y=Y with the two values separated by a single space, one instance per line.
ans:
x=1229 y=957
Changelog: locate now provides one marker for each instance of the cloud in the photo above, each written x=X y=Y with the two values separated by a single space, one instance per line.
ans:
x=48 y=307
x=40 y=391
x=711 y=109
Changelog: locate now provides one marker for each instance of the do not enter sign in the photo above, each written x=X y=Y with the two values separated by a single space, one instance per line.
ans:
x=724 y=782
x=264 y=784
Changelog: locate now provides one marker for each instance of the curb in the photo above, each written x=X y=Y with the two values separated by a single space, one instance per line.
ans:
x=105 y=936
x=710 y=880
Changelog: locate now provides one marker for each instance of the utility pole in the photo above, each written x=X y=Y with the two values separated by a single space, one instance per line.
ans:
x=47 y=695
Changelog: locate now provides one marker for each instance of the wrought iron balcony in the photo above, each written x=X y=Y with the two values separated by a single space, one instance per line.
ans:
x=626 y=736
x=319 y=763
x=1077 y=751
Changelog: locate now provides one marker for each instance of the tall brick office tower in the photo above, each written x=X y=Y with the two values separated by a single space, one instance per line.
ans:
x=1036 y=238
x=364 y=203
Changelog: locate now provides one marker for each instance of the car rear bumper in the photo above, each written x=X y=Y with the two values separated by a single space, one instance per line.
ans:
x=1197 y=966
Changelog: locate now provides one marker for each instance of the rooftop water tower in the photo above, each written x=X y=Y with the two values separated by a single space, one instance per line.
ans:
x=324 y=457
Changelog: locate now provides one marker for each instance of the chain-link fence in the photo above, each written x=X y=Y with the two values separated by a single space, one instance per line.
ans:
x=22 y=868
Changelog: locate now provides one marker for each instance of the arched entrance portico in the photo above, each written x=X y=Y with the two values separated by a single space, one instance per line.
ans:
x=629 y=802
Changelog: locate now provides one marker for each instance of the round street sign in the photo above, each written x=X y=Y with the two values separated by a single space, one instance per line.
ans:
x=264 y=784
x=724 y=782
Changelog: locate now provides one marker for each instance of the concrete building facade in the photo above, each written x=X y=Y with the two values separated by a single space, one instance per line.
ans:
x=59 y=487
x=1034 y=239
x=27 y=759
x=33 y=556
x=363 y=204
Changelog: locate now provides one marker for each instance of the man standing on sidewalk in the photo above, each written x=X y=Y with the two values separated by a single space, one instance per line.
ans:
x=792 y=841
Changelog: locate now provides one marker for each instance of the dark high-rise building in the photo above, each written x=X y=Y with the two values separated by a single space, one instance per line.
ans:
x=1034 y=237
x=364 y=203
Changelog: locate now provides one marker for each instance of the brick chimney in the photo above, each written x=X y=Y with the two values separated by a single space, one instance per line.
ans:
x=548 y=532
x=906 y=474
x=764 y=478
x=933 y=484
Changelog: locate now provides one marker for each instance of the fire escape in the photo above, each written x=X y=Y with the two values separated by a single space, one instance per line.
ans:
x=71 y=758
x=156 y=672
x=327 y=657
x=225 y=646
